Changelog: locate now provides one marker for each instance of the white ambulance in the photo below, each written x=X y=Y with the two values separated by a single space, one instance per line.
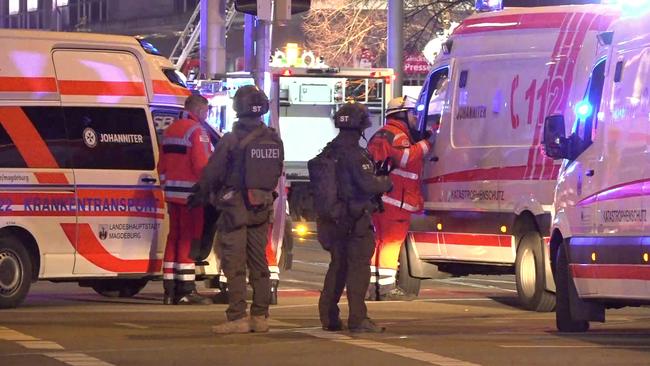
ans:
x=81 y=198
x=488 y=188
x=600 y=243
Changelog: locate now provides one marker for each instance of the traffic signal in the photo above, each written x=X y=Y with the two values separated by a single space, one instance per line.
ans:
x=250 y=6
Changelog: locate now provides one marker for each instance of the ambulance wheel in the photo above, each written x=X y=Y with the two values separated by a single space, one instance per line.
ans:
x=15 y=272
x=410 y=285
x=529 y=275
x=563 y=319
x=119 y=288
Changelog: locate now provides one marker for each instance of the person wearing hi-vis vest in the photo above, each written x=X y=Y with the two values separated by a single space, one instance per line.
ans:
x=184 y=152
x=396 y=141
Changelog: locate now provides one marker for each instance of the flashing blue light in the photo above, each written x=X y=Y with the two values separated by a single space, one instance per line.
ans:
x=149 y=48
x=420 y=107
x=584 y=109
x=489 y=5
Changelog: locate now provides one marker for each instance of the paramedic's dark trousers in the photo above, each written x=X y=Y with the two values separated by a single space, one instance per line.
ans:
x=242 y=247
x=348 y=269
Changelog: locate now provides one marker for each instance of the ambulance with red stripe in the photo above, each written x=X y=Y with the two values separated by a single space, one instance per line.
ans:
x=80 y=197
x=488 y=187
x=600 y=243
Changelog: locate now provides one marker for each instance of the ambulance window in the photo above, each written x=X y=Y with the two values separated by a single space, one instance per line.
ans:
x=109 y=138
x=48 y=124
x=431 y=101
x=587 y=109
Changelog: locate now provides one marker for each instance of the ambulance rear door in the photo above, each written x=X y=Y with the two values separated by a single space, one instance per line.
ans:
x=119 y=199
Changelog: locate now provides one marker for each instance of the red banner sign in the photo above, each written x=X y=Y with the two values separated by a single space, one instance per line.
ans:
x=416 y=64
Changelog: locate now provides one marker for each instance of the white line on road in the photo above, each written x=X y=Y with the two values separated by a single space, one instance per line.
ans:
x=319 y=284
x=40 y=345
x=317 y=264
x=493 y=281
x=132 y=325
x=453 y=282
x=77 y=359
x=572 y=346
x=405 y=352
x=12 y=335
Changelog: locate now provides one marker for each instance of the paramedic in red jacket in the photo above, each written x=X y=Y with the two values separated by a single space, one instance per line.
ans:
x=396 y=141
x=184 y=152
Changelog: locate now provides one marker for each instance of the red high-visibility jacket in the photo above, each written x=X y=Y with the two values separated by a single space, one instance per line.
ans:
x=394 y=140
x=185 y=150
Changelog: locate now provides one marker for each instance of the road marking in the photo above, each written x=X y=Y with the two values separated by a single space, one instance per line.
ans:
x=430 y=358
x=488 y=287
x=12 y=335
x=132 y=325
x=77 y=359
x=573 y=346
x=40 y=345
x=317 y=264
x=319 y=284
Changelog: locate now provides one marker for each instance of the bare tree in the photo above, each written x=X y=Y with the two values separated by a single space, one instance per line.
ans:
x=340 y=30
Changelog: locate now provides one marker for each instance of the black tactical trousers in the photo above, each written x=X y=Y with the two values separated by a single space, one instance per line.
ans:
x=350 y=269
x=241 y=248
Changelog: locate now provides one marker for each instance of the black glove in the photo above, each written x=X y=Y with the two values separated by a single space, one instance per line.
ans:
x=427 y=135
x=195 y=199
x=383 y=168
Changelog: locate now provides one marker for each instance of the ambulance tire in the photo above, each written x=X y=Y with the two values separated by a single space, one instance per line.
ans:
x=410 y=285
x=530 y=275
x=15 y=272
x=563 y=319
x=119 y=288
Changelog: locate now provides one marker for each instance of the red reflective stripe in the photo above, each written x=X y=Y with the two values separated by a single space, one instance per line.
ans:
x=27 y=84
x=505 y=173
x=92 y=250
x=29 y=143
x=611 y=271
x=91 y=87
x=51 y=178
x=510 y=22
x=486 y=240
x=424 y=237
x=165 y=87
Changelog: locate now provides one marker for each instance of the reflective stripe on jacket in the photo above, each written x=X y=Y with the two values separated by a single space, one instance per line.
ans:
x=185 y=150
x=394 y=141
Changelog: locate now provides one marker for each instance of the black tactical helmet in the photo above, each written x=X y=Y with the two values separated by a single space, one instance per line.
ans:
x=250 y=101
x=353 y=116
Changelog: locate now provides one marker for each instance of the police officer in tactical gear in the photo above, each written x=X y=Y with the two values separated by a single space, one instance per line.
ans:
x=240 y=179
x=350 y=237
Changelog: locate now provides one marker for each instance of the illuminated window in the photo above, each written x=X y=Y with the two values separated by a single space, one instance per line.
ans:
x=32 y=5
x=61 y=2
x=14 y=7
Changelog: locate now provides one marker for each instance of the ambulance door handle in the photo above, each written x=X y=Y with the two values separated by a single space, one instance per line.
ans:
x=590 y=173
x=434 y=158
x=148 y=180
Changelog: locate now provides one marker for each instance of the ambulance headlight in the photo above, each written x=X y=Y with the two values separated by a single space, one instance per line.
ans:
x=630 y=7
x=584 y=109
x=489 y=5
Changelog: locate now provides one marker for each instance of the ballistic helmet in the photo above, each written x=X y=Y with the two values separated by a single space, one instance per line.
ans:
x=354 y=116
x=400 y=104
x=250 y=101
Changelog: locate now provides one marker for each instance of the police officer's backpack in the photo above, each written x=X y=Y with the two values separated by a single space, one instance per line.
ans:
x=263 y=158
x=323 y=184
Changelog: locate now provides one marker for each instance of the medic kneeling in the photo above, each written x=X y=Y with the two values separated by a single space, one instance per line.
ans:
x=398 y=142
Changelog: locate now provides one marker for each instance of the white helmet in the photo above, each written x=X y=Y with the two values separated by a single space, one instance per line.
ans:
x=400 y=104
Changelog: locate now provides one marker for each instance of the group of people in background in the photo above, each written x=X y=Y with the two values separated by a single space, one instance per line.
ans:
x=227 y=179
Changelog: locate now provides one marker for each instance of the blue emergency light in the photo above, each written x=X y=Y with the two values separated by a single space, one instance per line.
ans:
x=584 y=109
x=489 y=5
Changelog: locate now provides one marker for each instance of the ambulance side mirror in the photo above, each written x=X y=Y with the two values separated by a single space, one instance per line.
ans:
x=556 y=145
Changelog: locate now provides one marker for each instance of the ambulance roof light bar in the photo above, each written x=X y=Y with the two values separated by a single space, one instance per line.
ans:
x=488 y=5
